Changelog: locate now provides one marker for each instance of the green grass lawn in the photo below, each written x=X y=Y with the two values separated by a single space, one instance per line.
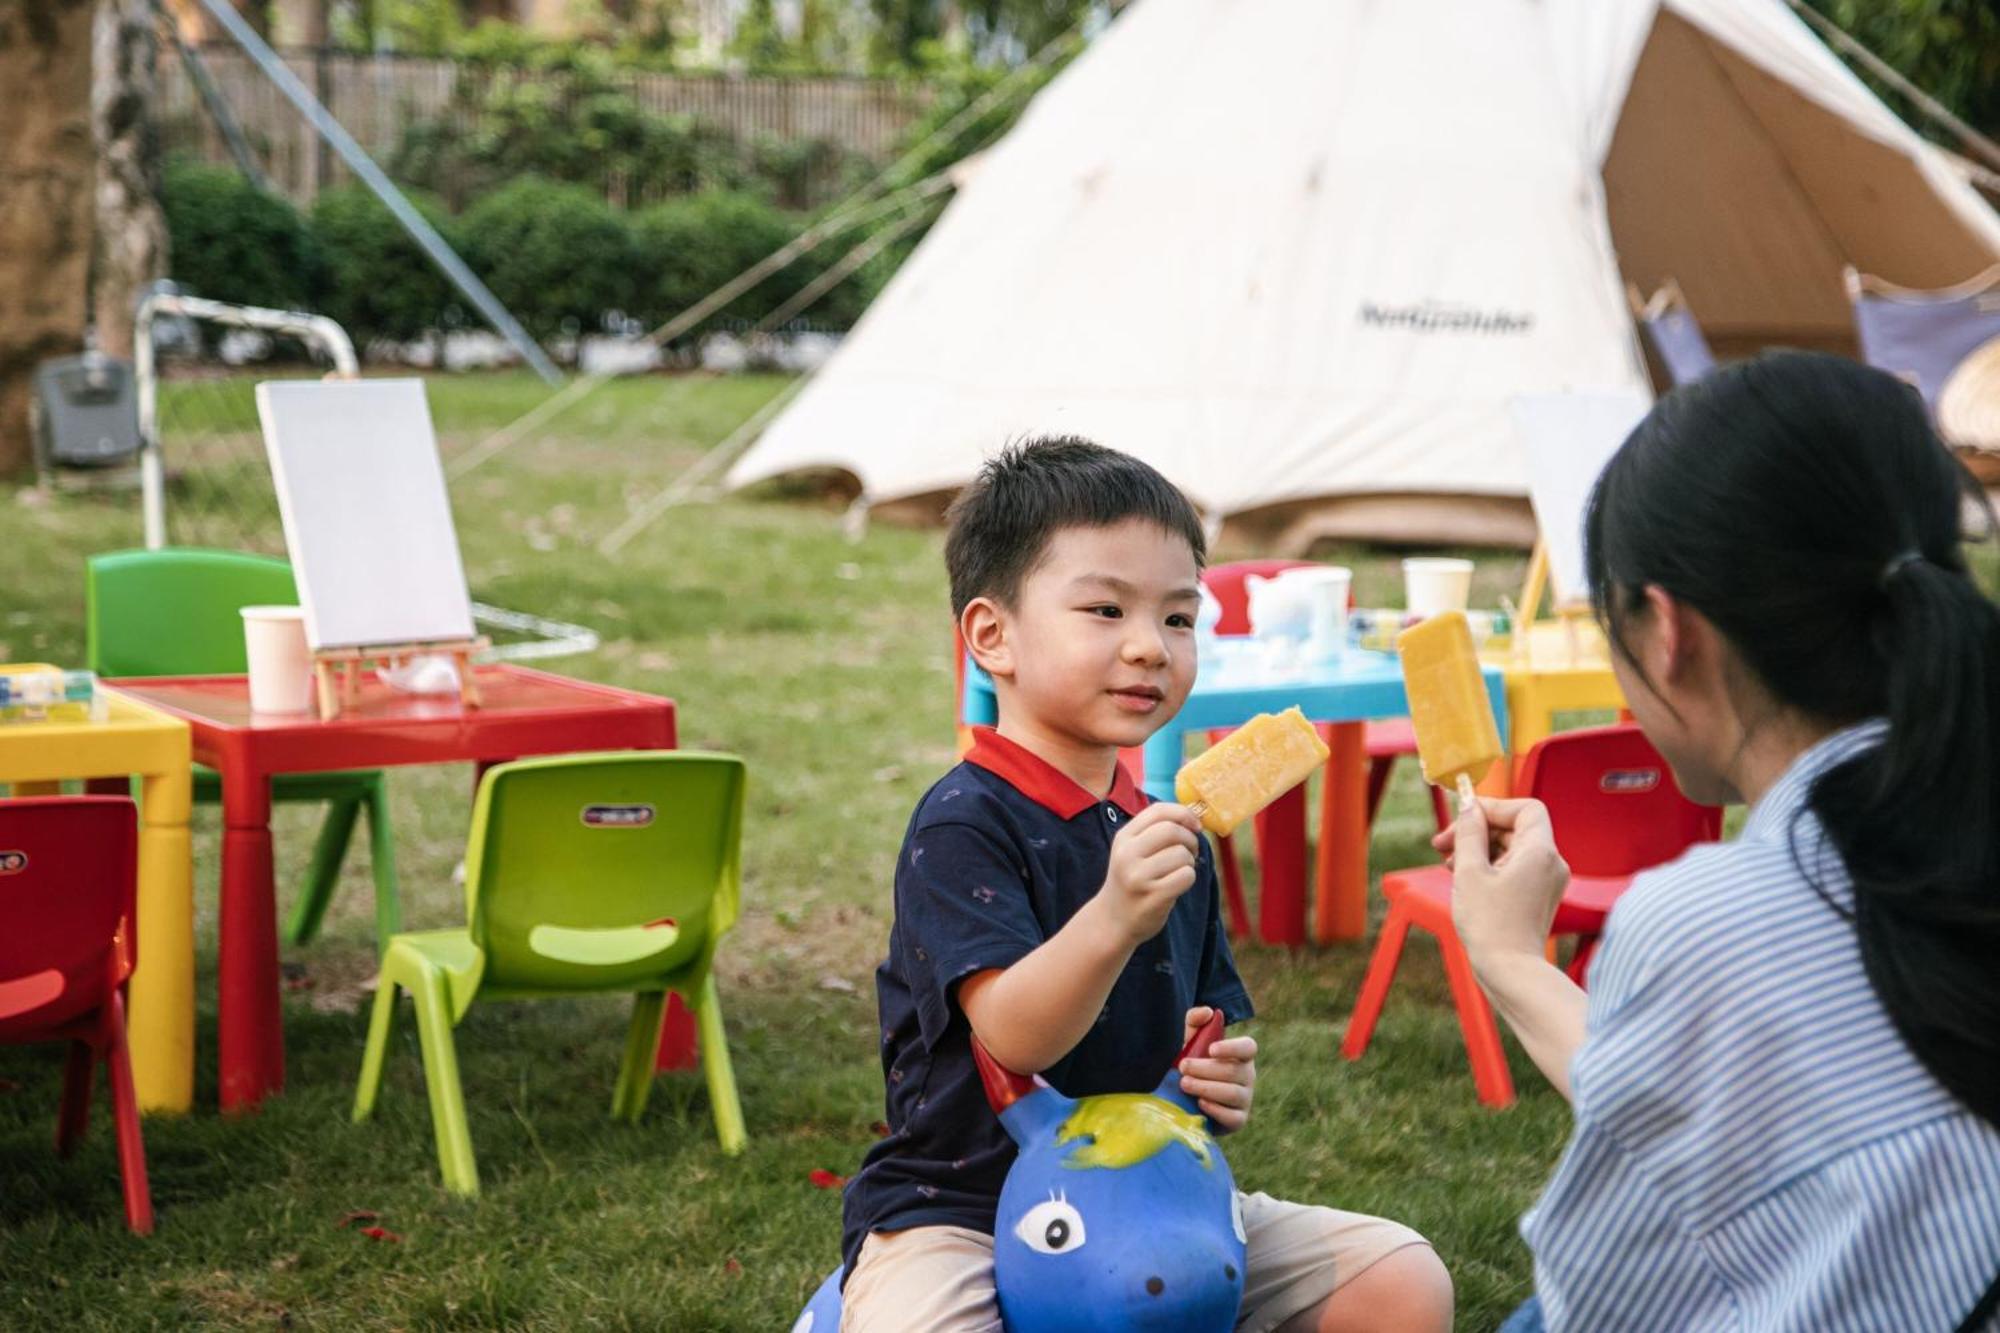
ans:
x=825 y=664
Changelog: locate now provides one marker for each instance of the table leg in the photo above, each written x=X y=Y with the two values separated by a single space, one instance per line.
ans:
x=1281 y=870
x=679 y=1045
x=160 y=1026
x=1530 y=720
x=250 y=1044
x=1341 y=912
x=1163 y=753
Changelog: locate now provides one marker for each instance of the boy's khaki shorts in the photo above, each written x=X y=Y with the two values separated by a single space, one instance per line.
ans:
x=940 y=1279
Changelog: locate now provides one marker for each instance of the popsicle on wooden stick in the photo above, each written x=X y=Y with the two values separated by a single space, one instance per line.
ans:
x=1457 y=741
x=1249 y=768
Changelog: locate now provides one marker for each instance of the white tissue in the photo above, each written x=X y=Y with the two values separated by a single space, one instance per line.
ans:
x=429 y=673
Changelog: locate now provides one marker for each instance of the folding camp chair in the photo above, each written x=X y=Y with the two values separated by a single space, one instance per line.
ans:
x=1671 y=331
x=1946 y=342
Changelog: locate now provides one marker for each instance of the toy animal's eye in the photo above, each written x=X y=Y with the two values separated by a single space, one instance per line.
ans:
x=1236 y=1216
x=1051 y=1227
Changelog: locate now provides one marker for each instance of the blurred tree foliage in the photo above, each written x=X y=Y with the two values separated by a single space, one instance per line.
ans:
x=1948 y=48
x=768 y=36
x=568 y=113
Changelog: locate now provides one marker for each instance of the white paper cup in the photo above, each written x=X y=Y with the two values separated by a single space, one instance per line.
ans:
x=1434 y=584
x=281 y=677
x=1327 y=589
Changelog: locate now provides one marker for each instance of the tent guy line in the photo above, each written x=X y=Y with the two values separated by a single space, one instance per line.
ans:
x=859 y=208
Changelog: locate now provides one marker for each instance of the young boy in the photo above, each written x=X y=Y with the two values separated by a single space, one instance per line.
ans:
x=1043 y=903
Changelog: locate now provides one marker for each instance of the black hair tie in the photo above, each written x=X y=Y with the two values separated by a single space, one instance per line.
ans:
x=1897 y=564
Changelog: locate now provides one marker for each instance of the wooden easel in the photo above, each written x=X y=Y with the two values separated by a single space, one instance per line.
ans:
x=1534 y=586
x=337 y=672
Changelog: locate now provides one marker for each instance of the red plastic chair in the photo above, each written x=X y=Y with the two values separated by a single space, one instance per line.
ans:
x=1384 y=741
x=68 y=889
x=1615 y=810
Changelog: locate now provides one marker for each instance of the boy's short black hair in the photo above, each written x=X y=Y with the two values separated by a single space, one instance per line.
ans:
x=999 y=526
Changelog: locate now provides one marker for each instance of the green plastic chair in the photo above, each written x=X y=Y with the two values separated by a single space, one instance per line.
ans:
x=584 y=874
x=173 y=612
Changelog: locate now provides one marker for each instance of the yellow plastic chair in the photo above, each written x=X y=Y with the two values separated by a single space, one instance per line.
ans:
x=584 y=874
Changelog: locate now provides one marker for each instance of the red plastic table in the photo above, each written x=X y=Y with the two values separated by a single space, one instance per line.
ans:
x=523 y=712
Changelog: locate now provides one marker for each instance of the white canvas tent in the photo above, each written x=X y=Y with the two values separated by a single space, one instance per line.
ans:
x=1293 y=251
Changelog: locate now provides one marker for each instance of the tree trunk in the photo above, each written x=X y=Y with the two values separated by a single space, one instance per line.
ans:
x=46 y=173
x=131 y=228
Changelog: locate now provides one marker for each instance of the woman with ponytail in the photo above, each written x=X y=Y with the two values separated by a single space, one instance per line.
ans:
x=1786 y=1074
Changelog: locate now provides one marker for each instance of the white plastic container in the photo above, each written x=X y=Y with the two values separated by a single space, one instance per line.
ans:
x=281 y=677
x=1435 y=584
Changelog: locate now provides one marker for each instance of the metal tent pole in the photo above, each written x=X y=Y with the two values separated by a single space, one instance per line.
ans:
x=373 y=177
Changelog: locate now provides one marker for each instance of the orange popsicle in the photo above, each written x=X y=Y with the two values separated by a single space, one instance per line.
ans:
x=1457 y=741
x=1249 y=768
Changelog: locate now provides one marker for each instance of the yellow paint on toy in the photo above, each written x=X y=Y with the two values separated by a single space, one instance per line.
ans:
x=1125 y=1128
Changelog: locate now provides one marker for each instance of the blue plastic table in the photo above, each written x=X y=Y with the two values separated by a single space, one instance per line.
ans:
x=1356 y=688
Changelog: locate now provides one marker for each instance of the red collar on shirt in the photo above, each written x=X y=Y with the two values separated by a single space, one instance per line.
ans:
x=1045 y=784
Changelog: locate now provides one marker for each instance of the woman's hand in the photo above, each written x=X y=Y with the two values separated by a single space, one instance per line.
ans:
x=1507 y=878
x=1224 y=1080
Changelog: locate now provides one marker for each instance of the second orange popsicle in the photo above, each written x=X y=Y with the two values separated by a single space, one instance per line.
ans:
x=1457 y=739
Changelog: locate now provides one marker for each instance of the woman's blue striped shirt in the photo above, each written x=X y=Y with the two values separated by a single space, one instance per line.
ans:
x=1755 y=1148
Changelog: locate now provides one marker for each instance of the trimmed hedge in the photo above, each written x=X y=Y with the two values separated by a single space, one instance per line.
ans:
x=688 y=248
x=376 y=281
x=553 y=254
x=556 y=255
x=233 y=242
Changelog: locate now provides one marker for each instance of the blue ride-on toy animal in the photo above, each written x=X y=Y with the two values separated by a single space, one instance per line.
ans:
x=1118 y=1213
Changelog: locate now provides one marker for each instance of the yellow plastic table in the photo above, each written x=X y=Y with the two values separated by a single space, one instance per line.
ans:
x=136 y=740
x=1560 y=666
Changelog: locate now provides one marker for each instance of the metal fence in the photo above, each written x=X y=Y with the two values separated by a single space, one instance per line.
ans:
x=379 y=97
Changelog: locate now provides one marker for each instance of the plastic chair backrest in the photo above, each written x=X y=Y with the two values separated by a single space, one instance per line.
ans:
x=1227 y=584
x=174 y=612
x=1924 y=335
x=1613 y=801
x=68 y=890
x=587 y=872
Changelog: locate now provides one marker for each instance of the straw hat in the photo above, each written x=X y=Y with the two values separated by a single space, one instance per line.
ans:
x=1968 y=411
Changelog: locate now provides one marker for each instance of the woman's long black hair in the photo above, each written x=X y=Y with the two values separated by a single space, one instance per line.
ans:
x=1804 y=505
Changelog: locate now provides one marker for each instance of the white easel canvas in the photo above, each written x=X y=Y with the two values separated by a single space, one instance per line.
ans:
x=1568 y=438
x=367 y=519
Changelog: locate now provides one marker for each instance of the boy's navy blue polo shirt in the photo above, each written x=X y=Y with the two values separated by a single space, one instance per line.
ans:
x=998 y=857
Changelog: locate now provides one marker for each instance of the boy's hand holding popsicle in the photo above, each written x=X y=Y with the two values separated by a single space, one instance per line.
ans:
x=1152 y=860
x=1152 y=865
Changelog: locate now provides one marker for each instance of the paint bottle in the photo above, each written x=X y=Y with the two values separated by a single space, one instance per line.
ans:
x=38 y=693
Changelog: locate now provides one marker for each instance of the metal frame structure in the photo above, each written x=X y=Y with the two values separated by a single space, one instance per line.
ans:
x=315 y=331
x=553 y=638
